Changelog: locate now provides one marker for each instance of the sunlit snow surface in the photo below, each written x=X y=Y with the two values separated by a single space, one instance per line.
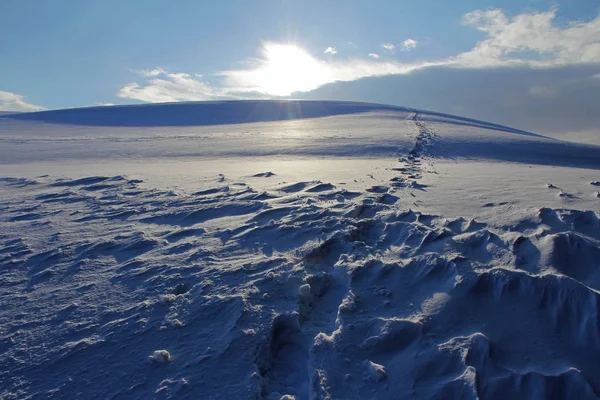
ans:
x=358 y=252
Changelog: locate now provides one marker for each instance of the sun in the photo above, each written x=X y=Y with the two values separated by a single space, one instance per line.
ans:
x=288 y=68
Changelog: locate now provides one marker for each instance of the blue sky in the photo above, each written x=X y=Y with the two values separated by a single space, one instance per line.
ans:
x=66 y=53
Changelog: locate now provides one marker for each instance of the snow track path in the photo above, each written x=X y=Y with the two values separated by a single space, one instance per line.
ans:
x=414 y=162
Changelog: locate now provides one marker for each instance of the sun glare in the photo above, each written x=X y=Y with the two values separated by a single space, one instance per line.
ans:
x=288 y=68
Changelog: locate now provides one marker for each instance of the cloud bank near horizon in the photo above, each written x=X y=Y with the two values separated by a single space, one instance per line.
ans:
x=14 y=102
x=559 y=101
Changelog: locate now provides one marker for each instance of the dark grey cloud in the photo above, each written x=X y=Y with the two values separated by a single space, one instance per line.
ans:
x=550 y=101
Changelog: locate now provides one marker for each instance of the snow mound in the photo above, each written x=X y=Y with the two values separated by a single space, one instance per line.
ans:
x=160 y=357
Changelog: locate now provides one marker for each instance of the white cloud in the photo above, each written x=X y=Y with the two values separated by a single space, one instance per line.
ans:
x=530 y=39
x=168 y=87
x=14 y=102
x=409 y=44
x=330 y=50
x=374 y=55
x=389 y=46
x=151 y=72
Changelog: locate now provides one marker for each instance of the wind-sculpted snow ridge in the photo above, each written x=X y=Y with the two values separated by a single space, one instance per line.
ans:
x=112 y=289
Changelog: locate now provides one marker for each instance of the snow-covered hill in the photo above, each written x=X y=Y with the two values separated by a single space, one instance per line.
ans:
x=301 y=249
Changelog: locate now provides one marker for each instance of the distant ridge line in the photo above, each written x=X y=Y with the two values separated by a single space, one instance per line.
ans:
x=206 y=113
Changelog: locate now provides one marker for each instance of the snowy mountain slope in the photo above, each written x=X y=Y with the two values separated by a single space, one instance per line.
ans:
x=386 y=253
x=346 y=132
x=222 y=113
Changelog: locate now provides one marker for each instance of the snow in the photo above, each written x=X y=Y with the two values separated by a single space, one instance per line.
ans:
x=160 y=357
x=374 y=372
x=344 y=250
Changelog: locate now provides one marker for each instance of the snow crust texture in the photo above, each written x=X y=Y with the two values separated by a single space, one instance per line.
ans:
x=299 y=292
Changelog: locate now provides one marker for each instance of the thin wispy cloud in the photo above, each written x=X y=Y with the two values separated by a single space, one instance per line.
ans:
x=389 y=46
x=14 y=102
x=330 y=50
x=374 y=55
x=168 y=87
x=151 y=72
